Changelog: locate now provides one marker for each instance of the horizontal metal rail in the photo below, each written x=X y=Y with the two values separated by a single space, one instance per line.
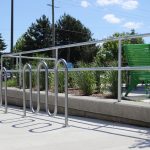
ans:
x=80 y=44
x=26 y=57
x=144 y=68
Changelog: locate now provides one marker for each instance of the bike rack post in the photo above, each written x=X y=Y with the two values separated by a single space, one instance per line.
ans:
x=1 y=86
x=20 y=71
x=1 y=80
x=66 y=87
x=27 y=66
x=40 y=65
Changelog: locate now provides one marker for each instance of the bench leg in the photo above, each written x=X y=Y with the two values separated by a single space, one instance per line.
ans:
x=132 y=85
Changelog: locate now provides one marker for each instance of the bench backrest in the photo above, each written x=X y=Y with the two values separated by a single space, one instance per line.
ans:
x=137 y=54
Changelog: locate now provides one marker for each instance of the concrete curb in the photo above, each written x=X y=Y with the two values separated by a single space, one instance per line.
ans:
x=129 y=112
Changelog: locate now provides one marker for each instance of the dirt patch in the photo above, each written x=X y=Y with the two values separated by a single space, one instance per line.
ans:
x=78 y=92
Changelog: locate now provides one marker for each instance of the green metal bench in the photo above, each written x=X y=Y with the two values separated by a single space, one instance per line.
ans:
x=137 y=55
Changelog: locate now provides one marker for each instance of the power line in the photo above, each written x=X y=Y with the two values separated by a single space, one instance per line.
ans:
x=120 y=12
x=72 y=31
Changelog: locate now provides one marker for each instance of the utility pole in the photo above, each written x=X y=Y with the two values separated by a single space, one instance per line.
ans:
x=53 y=24
x=12 y=26
x=53 y=21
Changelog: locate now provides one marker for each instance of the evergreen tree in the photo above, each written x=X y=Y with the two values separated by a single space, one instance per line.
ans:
x=37 y=36
x=2 y=44
x=70 y=30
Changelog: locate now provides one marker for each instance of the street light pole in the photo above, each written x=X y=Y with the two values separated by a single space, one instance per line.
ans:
x=12 y=26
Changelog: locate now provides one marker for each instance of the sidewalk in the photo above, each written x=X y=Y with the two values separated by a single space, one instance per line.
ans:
x=41 y=132
x=138 y=94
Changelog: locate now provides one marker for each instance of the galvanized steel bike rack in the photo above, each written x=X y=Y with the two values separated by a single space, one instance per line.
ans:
x=3 y=70
x=66 y=87
x=40 y=65
x=27 y=66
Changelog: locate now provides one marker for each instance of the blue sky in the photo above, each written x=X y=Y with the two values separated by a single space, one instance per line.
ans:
x=102 y=17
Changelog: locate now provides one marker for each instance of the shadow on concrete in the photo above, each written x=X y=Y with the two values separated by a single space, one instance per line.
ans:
x=38 y=129
x=139 y=134
x=142 y=143
x=27 y=122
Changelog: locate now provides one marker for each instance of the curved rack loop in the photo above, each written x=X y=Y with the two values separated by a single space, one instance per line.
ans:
x=66 y=87
x=5 y=78
x=27 y=66
x=40 y=65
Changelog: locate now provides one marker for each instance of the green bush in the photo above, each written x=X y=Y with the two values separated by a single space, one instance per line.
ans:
x=61 y=78
x=85 y=80
x=71 y=80
x=42 y=74
x=113 y=80
x=12 y=82
x=100 y=61
x=109 y=82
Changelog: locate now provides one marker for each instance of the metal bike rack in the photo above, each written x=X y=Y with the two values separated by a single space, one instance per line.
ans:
x=5 y=78
x=40 y=65
x=66 y=87
x=27 y=66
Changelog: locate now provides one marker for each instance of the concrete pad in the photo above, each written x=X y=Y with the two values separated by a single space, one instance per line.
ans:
x=138 y=94
x=41 y=132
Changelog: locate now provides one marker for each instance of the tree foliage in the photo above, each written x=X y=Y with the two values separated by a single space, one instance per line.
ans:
x=37 y=36
x=71 y=30
x=68 y=31
x=20 y=44
x=110 y=48
x=2 y=44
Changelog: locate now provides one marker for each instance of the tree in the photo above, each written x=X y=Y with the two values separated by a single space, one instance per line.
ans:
x=2 y=44
x=20 y=44
x=37 y=36
x=70 y=30
x=111 y=48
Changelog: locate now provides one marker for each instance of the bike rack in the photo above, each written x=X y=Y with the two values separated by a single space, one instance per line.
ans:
x=40 y=65
x=28 y=66
x=5 y=77
x=66 y=87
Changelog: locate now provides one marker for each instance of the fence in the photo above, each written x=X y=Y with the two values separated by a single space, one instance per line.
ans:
x=19 y=56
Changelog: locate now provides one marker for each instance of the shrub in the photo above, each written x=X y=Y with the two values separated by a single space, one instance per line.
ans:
x=71 y=80
x=85 y=80
x=61 y=78
x=109 y=82
x=113 y=80
x=42 y=74
x=12 y=82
